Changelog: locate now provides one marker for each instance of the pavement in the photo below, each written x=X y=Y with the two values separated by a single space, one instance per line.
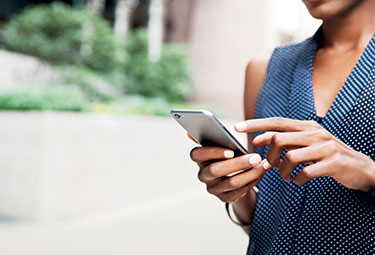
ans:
x=191 y=222
x=143 y=203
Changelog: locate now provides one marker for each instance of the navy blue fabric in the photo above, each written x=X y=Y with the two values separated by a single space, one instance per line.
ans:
x=322 y=216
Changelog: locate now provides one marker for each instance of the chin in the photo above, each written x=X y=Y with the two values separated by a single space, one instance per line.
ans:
x=328 y=9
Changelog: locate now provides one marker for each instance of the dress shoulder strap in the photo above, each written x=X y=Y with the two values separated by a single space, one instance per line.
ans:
x=279 y=77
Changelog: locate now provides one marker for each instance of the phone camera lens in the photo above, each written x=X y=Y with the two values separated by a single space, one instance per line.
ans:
x=177 y=116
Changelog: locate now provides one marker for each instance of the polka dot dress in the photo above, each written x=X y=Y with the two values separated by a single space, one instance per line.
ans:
x=322 y=216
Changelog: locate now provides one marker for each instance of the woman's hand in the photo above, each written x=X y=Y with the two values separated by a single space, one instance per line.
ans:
x=308 y=142
x=224 y=175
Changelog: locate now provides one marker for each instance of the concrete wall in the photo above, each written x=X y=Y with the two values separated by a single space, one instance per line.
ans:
x=18 y=70
x=80 y=183
x=68 y=165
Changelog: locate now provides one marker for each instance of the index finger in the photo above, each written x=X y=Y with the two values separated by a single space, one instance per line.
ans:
x=276 y=124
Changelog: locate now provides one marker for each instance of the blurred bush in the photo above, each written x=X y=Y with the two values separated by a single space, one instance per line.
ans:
x=84 y=50
x=168 y=78
x=95 y=86
x=61 y=34
x=53 y=97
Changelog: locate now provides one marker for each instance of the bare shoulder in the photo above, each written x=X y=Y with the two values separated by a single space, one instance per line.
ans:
x=255 y=74
x=257 y=66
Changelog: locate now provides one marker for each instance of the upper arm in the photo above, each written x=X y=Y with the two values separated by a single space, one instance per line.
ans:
x=255 y=74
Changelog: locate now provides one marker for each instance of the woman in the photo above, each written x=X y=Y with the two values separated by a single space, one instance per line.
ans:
x=311 y=109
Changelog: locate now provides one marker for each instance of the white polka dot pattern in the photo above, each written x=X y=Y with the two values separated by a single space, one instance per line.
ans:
x=322 y=216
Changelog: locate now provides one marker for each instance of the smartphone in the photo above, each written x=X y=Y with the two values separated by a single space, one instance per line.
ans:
x=206 y=129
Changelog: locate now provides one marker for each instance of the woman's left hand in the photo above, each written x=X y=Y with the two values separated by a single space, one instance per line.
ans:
x=308 y=142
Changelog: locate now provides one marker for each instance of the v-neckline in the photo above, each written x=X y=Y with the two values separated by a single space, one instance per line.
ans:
x=344 y=88
x=302 y=102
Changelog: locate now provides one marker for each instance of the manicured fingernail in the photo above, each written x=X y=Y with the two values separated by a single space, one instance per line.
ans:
x=254 y=160
x=228 y=154
x=241 y=125
x=267 y=166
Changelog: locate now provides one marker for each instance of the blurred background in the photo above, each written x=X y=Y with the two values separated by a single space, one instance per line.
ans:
x=90 y=162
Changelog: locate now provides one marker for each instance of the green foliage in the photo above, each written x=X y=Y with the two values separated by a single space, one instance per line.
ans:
x=57 y=97
x=95 y=86
x=168 y=78
x=83 y=47
x=60 y=34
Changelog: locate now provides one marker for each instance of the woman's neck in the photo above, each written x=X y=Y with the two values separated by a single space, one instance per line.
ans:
x=351 y=30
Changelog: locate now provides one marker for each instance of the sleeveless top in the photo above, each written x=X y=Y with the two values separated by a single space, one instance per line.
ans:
x=322 y=216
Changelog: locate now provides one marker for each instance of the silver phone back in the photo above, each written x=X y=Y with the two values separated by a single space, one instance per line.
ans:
x=207 y=130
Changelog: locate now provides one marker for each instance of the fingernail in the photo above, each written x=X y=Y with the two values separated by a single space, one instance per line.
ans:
x=228 y=154
x=254 y=160
x=266 y=165
x=241 y=125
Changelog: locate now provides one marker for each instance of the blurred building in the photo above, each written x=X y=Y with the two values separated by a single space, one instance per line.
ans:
x=224 y=35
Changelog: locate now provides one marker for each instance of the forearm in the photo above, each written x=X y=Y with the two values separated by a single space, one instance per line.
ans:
x=245 y=207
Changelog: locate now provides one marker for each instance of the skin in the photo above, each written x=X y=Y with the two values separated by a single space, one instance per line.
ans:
x=348 y=26
x=308 y=142
x=244 y=204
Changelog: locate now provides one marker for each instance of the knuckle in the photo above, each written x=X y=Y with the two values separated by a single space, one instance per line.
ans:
x=277 y=120
x=234 y=182
x=324 y=134
x=212 y=170
x=276 y=139
x=332 y=164
x=194 y=153
x=313 y=124
x=290 y=157
x=224 y=198
x=199 y=176
x=316 y=133
x=273 y=162
x=308 y=175
x=331 y=146
x=210 y=189
x=284 y=176
x=336 y=162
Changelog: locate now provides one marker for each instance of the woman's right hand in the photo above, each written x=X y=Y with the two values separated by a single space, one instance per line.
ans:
x=224 y=175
